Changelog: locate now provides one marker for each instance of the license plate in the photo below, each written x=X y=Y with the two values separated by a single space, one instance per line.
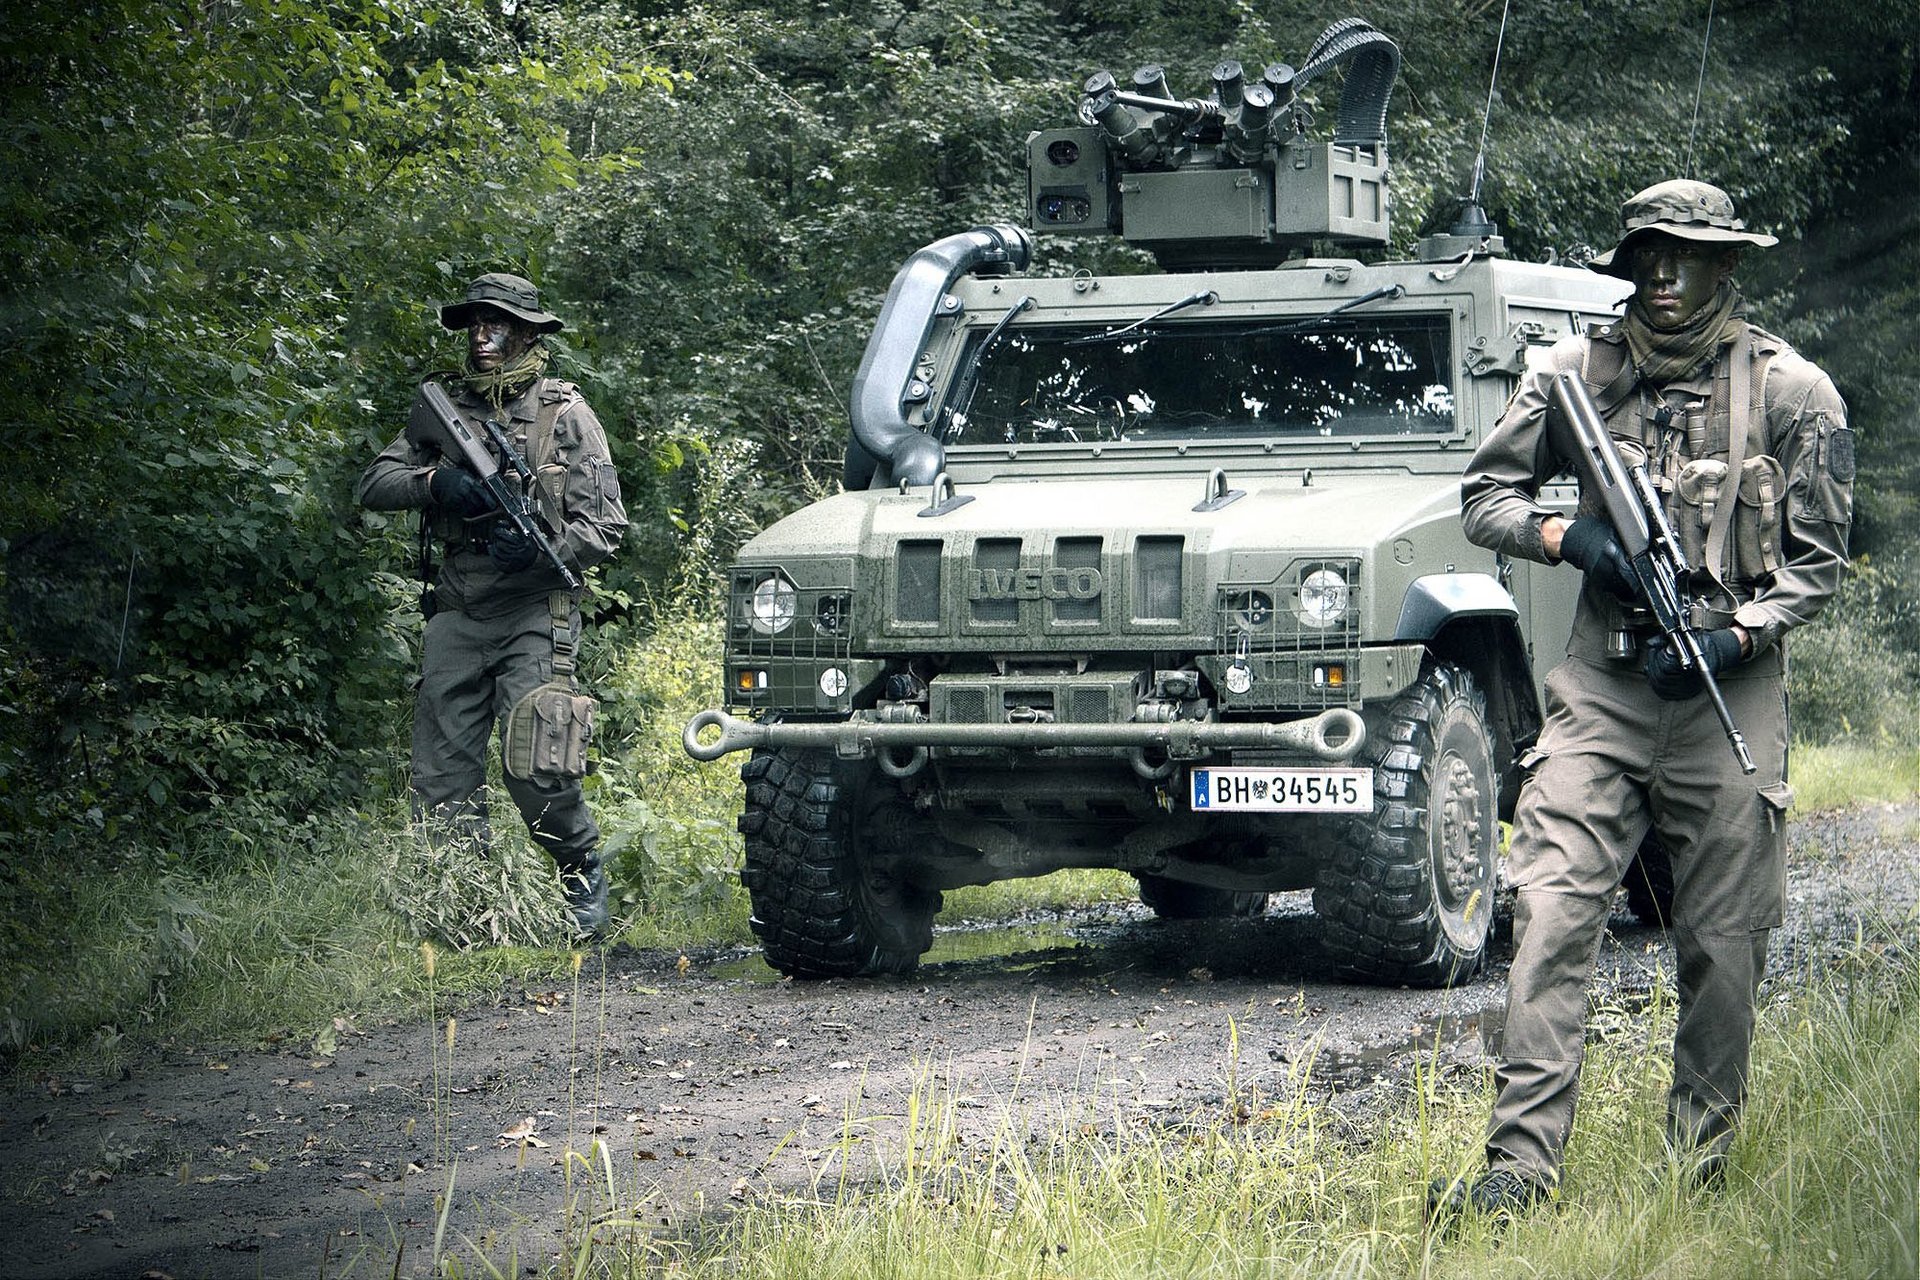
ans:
x=1241 y=790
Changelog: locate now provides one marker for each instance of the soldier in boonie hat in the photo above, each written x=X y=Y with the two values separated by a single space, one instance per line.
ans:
x=515 y=295
x=1682 y=208
x=502 y=624
x=1748 y=454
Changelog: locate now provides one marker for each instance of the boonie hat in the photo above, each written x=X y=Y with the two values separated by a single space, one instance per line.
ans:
x=1682 y=208
x=515 y=295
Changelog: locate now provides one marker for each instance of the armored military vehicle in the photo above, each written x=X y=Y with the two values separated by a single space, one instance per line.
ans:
x=1161 y=572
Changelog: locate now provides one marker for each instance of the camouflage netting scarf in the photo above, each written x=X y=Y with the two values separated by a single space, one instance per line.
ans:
x=509 y=381
x=1663 y=355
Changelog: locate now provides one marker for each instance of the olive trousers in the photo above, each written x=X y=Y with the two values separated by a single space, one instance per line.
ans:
x=1613 y=761
x=472 y=671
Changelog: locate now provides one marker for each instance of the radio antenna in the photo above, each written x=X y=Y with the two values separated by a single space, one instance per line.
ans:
x=1706 y=42
x=1486 y=117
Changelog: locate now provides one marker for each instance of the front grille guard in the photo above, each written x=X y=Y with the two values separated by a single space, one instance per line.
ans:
x=818 y=637
x=1271 y=644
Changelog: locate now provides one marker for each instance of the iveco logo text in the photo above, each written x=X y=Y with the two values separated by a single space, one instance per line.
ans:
x=1033 y=584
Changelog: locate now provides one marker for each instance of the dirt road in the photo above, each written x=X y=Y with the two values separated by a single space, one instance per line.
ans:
x=714 y=1081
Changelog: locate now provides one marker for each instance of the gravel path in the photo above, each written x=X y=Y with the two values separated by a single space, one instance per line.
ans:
x=714 y=1081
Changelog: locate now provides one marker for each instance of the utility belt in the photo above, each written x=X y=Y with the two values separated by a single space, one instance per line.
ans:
x=1630 y=628
x=475 y=542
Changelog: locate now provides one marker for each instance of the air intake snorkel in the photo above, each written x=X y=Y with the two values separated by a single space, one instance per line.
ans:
x=886 y=448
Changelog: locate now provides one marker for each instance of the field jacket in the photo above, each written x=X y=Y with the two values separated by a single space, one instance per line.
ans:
x=577 y=498
x=1786 y=553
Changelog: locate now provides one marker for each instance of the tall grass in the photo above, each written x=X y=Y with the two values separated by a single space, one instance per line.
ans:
x=1823 y=1181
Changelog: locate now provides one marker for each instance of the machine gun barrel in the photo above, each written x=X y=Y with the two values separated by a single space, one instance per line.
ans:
x=1184 y=111
x=1639 y=521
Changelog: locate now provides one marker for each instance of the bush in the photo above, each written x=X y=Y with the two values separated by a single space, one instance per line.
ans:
x=1854 y=672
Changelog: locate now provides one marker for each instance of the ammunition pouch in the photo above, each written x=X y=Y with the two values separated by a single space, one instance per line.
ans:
x=1759 y=504
x=549 y=731
x=1757 y=520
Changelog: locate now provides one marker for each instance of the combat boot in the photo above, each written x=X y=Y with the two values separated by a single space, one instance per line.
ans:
x=1702 y=1170
x=585 y=889
x=1498 y=1193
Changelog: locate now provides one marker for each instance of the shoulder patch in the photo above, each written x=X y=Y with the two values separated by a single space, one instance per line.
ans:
x=1840 y=458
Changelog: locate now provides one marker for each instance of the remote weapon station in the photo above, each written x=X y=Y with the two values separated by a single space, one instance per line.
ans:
x=1161 y=572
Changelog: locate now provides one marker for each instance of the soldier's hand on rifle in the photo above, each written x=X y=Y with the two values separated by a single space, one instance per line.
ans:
x=1590 y=546
x=511 y=550
x=460 y=493
x=1674 y=682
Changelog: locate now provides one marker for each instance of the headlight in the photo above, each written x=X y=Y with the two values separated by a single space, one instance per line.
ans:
x=1323 y=598
x=773 y=605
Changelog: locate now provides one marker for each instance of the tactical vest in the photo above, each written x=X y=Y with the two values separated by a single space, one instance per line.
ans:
x=553 y=395
x=1712 y=461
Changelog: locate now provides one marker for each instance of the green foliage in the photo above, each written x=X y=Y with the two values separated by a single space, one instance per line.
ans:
x=670 y=845
x=228 y=225
x=1855 y=673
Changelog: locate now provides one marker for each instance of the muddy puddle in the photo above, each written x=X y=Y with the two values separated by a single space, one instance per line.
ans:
x=1021 y=946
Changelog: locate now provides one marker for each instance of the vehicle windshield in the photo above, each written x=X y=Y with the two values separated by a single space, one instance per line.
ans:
x=1377 y=375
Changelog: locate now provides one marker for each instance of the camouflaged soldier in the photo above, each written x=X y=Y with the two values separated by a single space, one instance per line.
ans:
x=1749 y=445
x=499 y=615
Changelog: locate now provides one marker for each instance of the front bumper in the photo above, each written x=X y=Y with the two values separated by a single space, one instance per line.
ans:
x=1334 y=735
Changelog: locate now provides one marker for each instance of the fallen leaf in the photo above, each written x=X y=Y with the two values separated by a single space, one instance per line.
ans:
x=104 y=1215
x=842 y=1065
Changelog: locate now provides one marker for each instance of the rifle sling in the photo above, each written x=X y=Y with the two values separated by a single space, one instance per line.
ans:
x=540 y=448
x=1746 y=392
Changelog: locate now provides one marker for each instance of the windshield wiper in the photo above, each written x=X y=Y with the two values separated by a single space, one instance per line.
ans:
x=1205 y=298
x=968 y=377
x=1301 y=326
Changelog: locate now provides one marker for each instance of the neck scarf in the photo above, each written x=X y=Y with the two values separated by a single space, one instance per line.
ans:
x=509 y=381
x=1664 y=355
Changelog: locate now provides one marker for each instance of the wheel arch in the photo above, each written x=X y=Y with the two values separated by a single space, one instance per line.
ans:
x=1470 y=620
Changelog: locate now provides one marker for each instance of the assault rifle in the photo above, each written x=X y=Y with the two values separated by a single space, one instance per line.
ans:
x=1640 y=523
x=458 y=442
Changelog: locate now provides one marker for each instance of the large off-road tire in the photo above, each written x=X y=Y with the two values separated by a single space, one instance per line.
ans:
x=1184 y=900
x=822 y=908
x=1649 y=882
x=1407 y=895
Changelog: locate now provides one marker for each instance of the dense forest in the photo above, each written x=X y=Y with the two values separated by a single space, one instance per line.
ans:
x=228 y=225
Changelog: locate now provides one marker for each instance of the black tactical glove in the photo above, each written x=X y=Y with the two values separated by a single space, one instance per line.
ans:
x=459 y=493
x=1675 y=683
x=511 y=550
x=1590 y=546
